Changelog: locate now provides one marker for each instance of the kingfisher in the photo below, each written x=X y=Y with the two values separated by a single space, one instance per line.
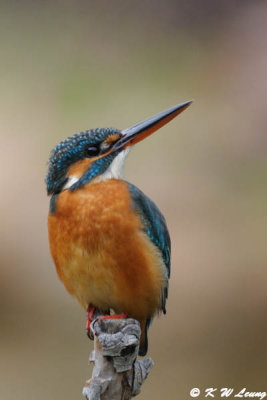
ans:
x=109 y=242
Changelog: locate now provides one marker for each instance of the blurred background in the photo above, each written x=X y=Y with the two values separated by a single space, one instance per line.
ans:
x=69 y=65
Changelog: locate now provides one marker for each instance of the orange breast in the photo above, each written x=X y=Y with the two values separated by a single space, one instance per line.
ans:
x=101 y=253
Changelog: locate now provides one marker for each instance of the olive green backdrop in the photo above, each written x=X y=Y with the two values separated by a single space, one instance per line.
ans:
x=67 y=66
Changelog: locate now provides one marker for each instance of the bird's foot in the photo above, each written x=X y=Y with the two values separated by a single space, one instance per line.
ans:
x=92 y=313
x=114 y=316
x=90 y=316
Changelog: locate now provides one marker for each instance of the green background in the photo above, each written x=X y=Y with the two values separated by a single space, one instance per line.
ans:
x=67 y=66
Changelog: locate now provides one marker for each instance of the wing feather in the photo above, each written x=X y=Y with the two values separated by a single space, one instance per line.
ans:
x=155 y=227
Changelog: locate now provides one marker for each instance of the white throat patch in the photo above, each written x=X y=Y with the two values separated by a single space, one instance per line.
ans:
x=115 y=170
x=71 y=180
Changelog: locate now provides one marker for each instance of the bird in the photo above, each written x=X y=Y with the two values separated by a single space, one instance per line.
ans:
x=109 y=242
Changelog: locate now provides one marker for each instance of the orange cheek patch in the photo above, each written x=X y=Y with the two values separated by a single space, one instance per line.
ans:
x=112 y=138
x=80 y=167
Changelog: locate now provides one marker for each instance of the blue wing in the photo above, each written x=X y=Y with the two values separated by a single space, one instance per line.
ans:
x=155 y=227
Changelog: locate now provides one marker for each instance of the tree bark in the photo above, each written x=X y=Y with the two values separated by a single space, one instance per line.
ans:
x=117 y=374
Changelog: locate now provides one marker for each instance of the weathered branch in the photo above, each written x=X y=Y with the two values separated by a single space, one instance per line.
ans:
x=117 y=374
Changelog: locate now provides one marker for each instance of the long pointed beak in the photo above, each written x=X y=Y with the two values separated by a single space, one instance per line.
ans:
x=140 y=131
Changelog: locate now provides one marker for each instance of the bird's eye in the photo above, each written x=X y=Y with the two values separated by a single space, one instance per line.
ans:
x=92 y=151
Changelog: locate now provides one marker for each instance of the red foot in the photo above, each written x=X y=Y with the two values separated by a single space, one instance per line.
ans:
x=115 y=316
x=89 y=319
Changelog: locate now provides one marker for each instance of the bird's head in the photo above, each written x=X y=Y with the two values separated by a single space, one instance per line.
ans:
x=99 y=153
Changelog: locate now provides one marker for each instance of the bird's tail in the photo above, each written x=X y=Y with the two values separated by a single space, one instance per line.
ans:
x=144 y=339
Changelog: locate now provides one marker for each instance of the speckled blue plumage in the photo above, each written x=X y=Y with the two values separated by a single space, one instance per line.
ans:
x=74 y=149
x=156 y=228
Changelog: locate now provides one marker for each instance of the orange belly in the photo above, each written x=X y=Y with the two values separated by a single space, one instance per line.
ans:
x=101 y=253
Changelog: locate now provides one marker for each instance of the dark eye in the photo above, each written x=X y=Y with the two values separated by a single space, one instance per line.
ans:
x=92 y=151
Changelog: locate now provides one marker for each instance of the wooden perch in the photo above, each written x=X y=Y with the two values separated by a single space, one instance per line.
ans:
x=117 y=374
